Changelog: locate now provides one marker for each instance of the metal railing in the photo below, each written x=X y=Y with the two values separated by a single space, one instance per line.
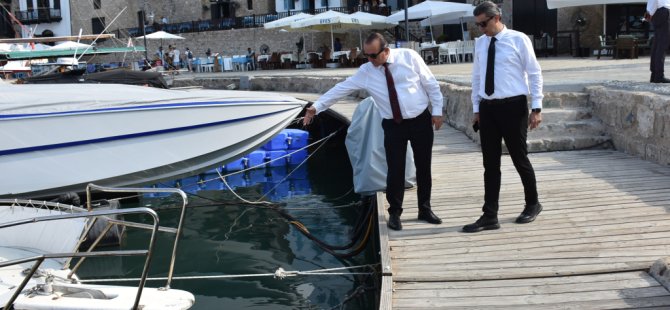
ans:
x=39 y=259
x=39 y=15
x=95 y=215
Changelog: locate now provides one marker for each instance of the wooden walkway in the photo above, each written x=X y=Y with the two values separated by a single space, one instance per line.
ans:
x=605 y=221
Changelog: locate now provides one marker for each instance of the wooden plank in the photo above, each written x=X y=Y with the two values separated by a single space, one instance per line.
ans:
x=403 y=293
x=524 y=272
x=647 y=303
x=491 y=301
x=583 y=279
x=386 y=296
x=387 y=267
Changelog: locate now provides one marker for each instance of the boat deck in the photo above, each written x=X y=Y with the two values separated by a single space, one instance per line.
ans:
x=605 y=221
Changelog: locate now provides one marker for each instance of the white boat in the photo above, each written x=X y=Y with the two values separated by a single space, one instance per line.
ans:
x=57 y=138
x=38 y=241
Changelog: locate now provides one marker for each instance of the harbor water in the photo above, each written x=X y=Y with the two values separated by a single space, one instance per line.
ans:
x=223 y=236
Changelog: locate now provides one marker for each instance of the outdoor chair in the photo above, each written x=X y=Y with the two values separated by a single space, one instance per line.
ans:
x=275 y=61
x=468 y=49
x=605 y=46
x=625 y=47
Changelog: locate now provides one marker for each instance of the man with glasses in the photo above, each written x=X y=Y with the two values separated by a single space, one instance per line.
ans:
x=402 y=87
x=504 y=71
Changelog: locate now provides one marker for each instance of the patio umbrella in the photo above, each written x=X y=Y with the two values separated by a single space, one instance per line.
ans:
x=428 y=9
x=285 y=23
x=378 y=22
x=162 y=35
x=331 y=21
x=450 y=19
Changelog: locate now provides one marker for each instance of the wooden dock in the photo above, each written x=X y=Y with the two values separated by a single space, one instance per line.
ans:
x=605 y=221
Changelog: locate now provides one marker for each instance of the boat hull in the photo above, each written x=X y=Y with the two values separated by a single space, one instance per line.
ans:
x=52 y=152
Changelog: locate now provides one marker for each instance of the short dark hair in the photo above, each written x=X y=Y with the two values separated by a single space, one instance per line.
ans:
x=488 y=8
x=376 y=36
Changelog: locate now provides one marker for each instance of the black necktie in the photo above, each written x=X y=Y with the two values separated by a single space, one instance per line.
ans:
x=489 y=86
x=393 y=95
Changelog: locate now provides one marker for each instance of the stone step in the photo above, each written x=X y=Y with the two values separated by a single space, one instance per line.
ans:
x=562 y=100
x=586 y=127
x=569 y=143
x=558 y=115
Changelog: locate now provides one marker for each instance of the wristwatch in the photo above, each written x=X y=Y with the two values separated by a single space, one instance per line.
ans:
x=538 y=110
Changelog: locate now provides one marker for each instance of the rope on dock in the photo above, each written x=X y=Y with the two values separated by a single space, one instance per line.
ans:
x=280 y=273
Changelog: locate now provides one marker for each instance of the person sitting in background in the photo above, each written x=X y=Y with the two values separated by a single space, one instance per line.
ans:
x=337 y=46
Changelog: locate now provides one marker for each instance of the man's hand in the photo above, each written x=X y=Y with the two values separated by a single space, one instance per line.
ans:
x=309 y=115
x=475 y=119
x=437 y=121
x=647 y=16
x=534 y=120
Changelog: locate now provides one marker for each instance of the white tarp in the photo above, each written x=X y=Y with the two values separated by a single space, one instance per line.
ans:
x=49 y=98
x=365 y=145
x=45 y=237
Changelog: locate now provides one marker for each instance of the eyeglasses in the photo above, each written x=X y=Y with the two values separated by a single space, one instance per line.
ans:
x=484 y=23
x=374 y=56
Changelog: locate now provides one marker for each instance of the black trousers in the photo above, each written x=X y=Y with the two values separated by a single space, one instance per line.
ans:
x=505 y=120
x=419 y=132
x=660 y=43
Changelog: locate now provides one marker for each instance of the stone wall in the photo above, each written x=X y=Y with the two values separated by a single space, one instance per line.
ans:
x=588 y=34
x=638 y=122
x=236 y=41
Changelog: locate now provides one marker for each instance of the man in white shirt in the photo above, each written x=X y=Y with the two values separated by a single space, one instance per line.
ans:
x=402 y=87
x=504 y=71
x=176 y=58
x=657 y=13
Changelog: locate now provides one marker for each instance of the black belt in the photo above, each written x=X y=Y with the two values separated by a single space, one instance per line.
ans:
x=503 y=100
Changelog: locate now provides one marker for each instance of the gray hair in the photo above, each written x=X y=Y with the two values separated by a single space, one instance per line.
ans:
x=488 y=8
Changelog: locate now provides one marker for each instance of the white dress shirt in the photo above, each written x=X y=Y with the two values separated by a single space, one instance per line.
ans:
x=415 y=84
x=516 y=72
x=653 y=5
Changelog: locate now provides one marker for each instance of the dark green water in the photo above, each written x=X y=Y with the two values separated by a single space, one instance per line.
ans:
x=233 y=239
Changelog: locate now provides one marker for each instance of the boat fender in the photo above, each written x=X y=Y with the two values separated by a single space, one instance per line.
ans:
x=70 y=198
x=113 y=236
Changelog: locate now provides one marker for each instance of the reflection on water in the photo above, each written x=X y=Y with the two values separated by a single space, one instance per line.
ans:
x=233 y=239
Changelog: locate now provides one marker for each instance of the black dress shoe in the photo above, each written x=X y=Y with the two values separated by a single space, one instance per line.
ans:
x=394 y=222
x=661 y=80
x=483 y=223
x=429 y=216
x=529 y=213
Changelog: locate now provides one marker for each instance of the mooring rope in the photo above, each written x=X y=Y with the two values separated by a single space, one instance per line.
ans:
x=280 y=273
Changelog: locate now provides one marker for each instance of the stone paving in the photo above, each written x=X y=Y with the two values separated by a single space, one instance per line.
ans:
x=566 y=74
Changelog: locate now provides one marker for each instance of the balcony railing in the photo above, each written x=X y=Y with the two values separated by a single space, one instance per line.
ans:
x=39 y=15
x=250 y=21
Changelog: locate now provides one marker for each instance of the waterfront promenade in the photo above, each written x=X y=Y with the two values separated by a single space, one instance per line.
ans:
x=605 y=219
